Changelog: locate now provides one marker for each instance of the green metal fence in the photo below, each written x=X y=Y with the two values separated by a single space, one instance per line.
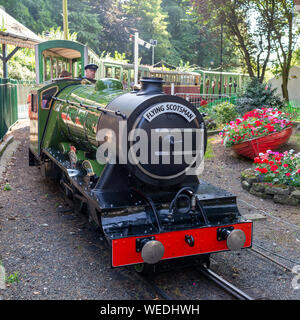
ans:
x=293 y=108
x=8 y=105
x=13 y=93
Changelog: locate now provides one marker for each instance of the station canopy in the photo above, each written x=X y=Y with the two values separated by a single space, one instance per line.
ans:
x=14 y=33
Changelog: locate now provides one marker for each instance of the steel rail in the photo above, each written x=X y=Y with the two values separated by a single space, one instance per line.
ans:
x=271 y=259
x=227 y=286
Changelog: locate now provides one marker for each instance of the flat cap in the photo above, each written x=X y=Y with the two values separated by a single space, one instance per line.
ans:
x=91 y=66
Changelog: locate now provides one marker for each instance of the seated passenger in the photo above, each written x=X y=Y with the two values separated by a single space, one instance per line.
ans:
x=65 y=74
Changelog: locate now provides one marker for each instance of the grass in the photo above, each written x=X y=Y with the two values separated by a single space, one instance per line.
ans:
x=14 y=277
x=293 y=108
x=209 y=149
x=7 y=187
x=297 y=135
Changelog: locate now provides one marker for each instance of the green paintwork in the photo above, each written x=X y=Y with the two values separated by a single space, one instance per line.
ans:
x=74 y=125
x=63 y=125
x=52 y=44
x=93 y=166
x=64 y=147
x=37 y=125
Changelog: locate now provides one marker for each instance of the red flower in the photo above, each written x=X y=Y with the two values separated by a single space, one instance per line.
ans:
x=288 y=174
x=257 y=160
x=274 y=168
x=258 y=123
x=286 y=165
x=262 y=170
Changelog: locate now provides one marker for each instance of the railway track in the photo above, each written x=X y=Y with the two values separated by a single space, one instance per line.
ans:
x=224 y=284
x=208 y=274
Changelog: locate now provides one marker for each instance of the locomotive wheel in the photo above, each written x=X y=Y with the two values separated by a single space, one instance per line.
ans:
x=144 y=268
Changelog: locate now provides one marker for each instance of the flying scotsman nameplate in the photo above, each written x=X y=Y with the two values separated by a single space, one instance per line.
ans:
x=169 y=107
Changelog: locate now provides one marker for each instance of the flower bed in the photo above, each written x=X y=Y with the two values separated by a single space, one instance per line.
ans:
x=283 y=168
x=275 y=176
x=254 y=125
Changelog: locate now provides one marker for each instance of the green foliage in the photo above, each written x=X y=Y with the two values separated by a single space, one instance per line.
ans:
x=209 y=149
x=7 y=187
x=152 y=22
x=257 y=95
x=120 y=57
x=21 y=65
x=105 y=26
x=14 y=277
x=225 y=112
x=2 y=26
x=58 y=34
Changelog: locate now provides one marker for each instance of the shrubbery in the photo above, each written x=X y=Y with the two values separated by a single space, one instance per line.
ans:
x=257 y=95
x=225 y=112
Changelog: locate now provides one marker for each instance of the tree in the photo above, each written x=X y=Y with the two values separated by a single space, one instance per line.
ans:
x=115 y=24
x=257 y=28
x=194 y=42
x=42 y=15
x=285 y=37
x=151 y=22
x=234 y=17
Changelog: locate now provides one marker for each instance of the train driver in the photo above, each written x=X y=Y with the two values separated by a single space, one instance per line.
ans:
x=90 y=71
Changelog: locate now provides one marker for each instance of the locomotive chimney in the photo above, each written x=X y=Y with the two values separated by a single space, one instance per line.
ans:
x=151 y=86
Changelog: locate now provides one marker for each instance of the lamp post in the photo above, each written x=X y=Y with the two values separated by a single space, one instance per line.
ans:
x=221 y=58
x=136 y=58
x=65 y=19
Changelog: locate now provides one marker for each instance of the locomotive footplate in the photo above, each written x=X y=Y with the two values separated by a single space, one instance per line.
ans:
x=175 y=245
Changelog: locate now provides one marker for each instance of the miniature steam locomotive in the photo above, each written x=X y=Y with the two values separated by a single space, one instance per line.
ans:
x=151 y=208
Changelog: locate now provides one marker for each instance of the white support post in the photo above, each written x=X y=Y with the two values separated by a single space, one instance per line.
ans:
x=172 y=88
x=136 y=58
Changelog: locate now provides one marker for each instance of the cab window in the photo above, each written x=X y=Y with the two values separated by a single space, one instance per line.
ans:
x=47 y=97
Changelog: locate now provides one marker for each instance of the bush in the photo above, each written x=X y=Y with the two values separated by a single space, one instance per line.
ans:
x=225 y=112
x=258 y=95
